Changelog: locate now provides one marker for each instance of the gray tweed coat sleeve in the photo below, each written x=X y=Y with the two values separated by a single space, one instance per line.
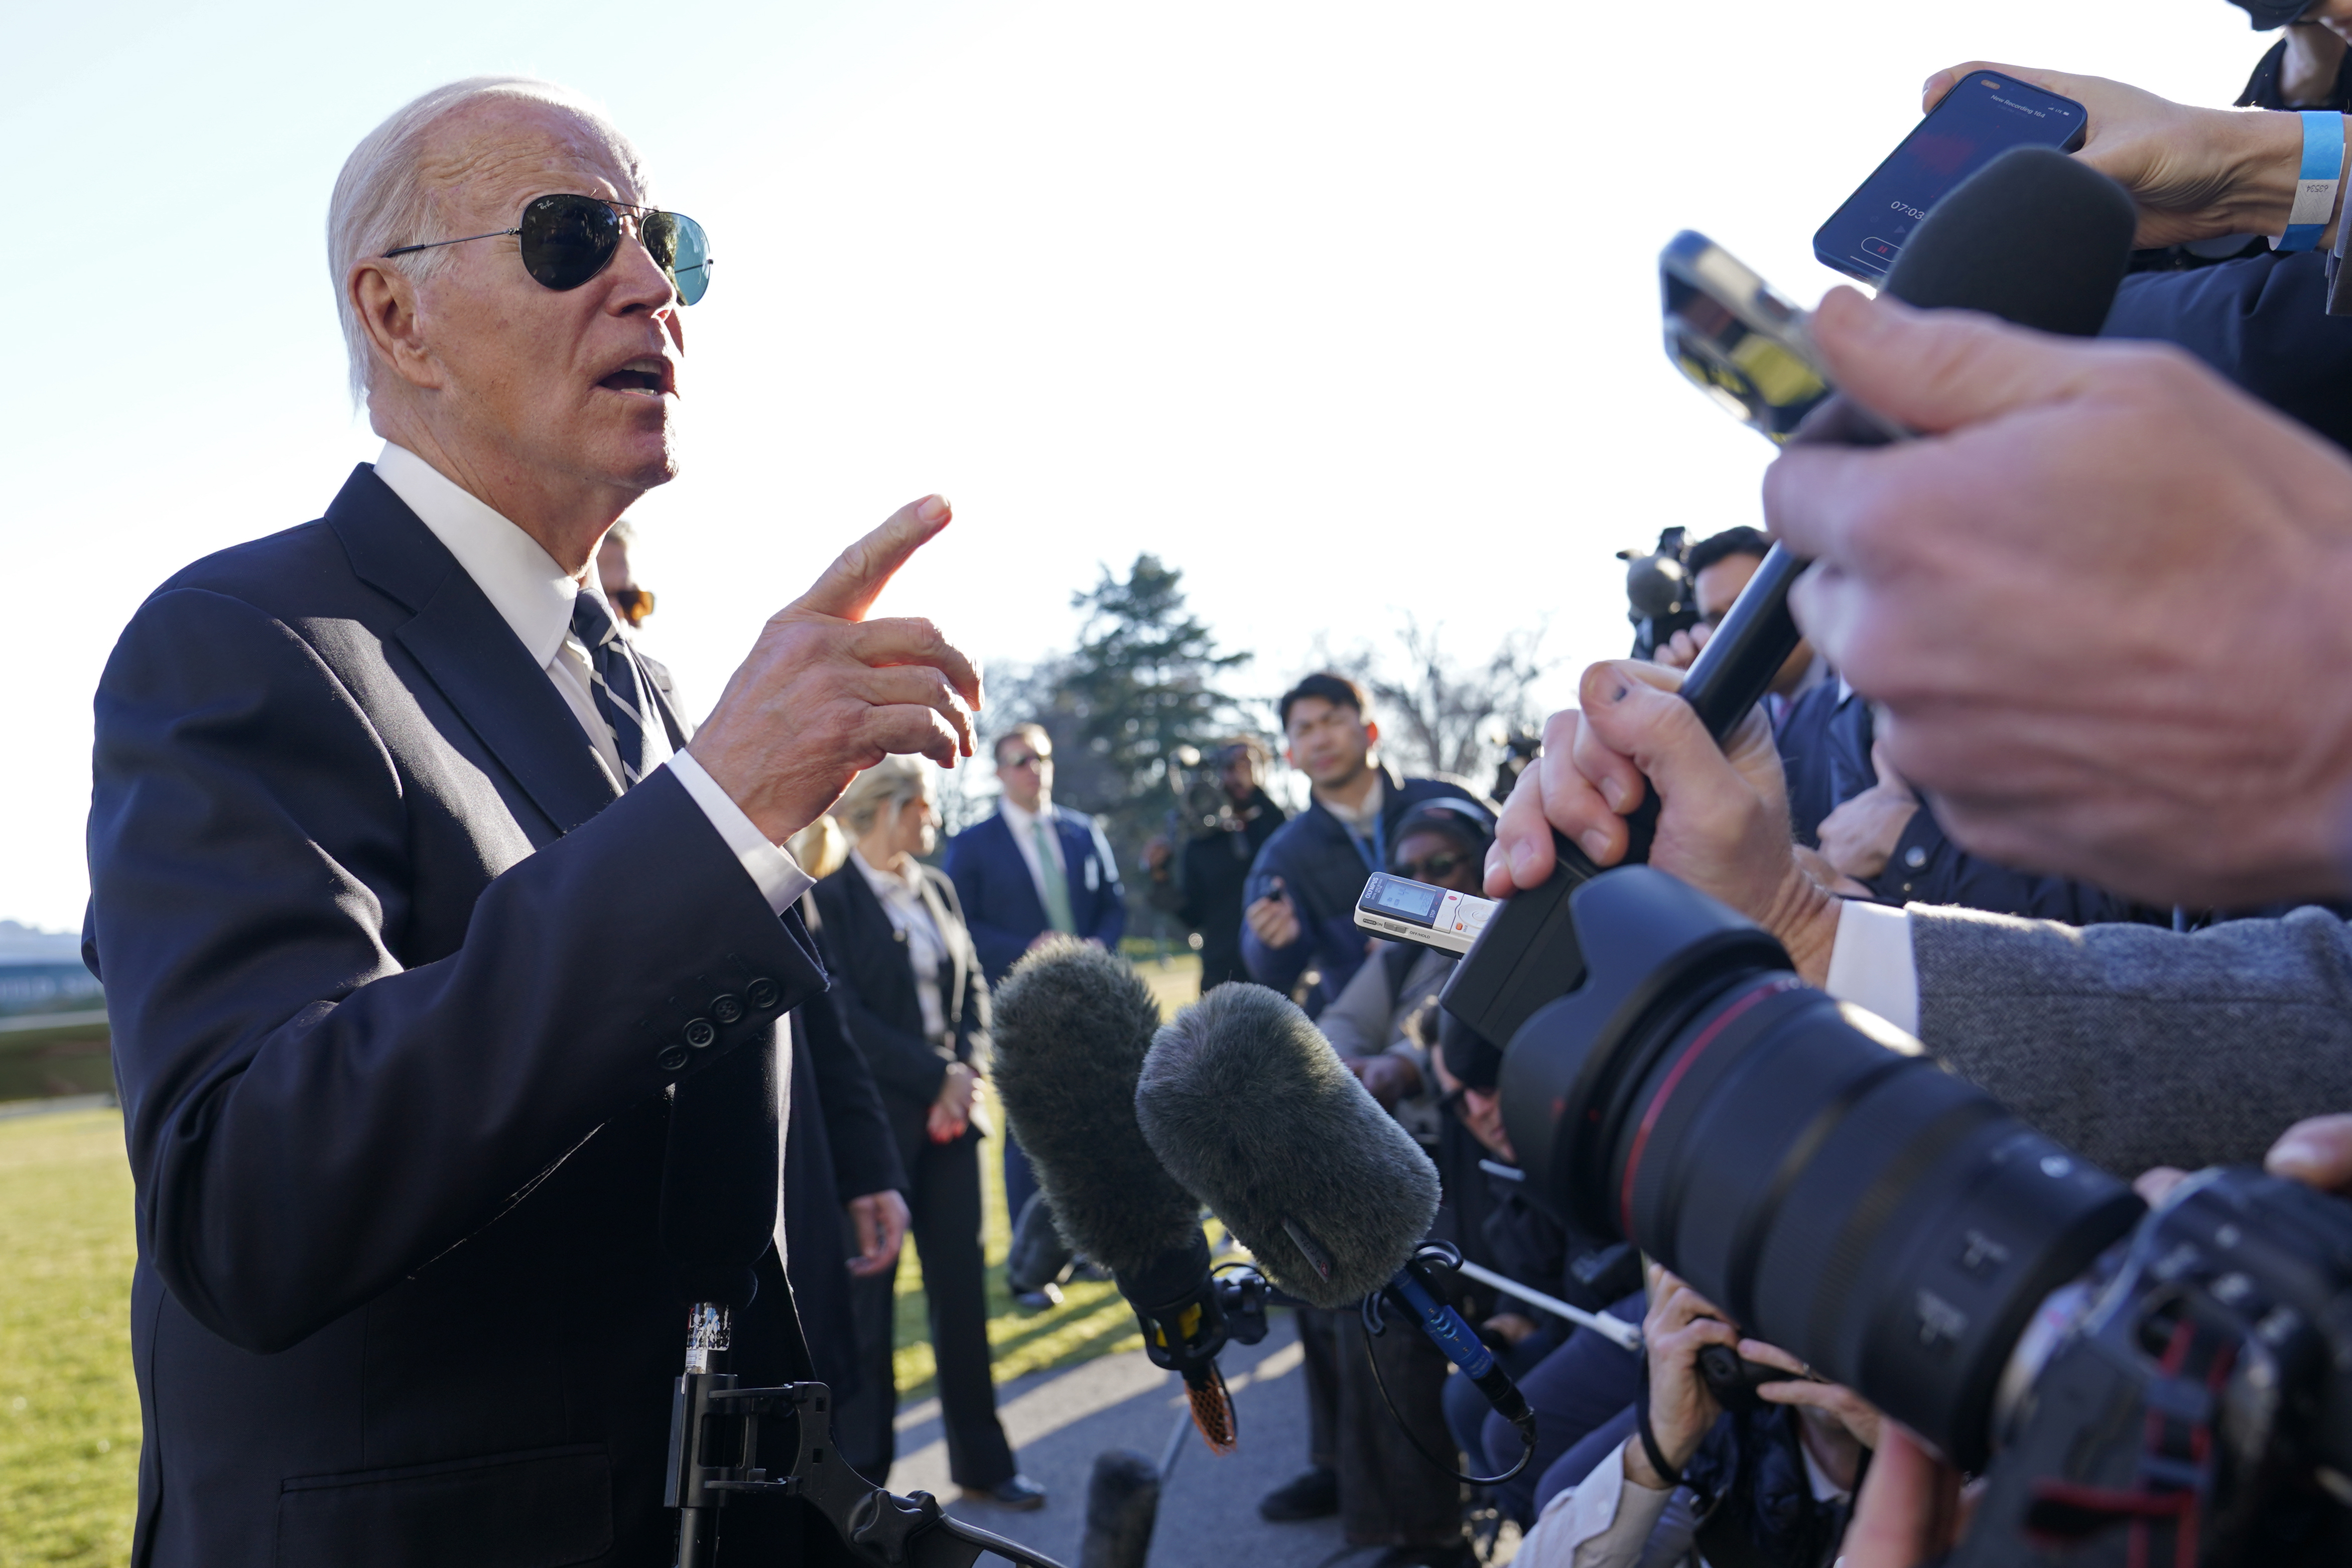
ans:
x=2137 y=1046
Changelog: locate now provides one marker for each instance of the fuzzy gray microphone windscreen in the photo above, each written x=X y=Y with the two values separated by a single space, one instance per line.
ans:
x=1071 y=1026
x=1246 y=1103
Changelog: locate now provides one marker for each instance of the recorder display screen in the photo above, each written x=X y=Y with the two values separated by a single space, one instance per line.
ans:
x=1409 y=900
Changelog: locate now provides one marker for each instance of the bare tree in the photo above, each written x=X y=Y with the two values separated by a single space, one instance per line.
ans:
x=1439 y=714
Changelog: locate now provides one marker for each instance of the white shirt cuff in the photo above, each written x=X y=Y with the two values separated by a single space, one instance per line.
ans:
x=1871 y=965
x=776 y=874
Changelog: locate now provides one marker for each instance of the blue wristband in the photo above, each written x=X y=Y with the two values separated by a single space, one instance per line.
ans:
x=2314 y=191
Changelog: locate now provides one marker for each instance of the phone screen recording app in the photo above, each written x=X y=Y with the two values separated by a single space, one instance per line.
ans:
x=1983 y=117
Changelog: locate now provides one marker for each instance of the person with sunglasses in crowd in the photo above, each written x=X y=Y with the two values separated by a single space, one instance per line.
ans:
x=423 y=913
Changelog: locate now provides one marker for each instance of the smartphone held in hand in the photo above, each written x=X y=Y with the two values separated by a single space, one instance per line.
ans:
x=1986 y=115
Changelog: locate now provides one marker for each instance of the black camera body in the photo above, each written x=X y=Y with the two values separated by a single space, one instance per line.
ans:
x=1202 y=808
x=1660 y=598
x=2158 y=1388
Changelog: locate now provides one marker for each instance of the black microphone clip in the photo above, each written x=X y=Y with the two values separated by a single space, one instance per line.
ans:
x=1183 y=1329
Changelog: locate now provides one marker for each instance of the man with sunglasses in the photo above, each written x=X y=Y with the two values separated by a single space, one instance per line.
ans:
x=414 y=898
x=1027 y=872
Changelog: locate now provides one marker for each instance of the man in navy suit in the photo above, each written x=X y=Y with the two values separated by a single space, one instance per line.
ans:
x=1029 y=871
x=413 y=902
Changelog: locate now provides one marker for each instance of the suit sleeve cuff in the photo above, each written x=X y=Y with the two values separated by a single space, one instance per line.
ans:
x=775 y=873
x=1871 y=967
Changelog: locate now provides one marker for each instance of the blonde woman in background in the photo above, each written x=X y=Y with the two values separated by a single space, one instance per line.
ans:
x=912 y=991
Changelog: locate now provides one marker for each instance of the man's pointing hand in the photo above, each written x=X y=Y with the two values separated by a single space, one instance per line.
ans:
x=827 y=693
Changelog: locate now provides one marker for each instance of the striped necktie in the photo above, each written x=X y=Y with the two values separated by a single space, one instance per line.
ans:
x=613 y=675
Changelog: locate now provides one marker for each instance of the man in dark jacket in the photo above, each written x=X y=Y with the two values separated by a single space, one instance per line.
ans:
x=1304 y=887
x=411 y=908
x=1203 y=880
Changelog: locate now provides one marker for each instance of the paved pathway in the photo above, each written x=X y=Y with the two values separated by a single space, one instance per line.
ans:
x=1208 y=1509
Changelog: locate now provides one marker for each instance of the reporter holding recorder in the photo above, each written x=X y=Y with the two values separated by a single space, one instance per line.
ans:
x=413 y=900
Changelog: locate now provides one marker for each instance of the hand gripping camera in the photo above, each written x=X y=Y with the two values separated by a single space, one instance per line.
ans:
x=2167 y=1387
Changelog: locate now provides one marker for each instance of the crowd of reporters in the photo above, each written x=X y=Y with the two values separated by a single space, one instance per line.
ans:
x=2158 y=987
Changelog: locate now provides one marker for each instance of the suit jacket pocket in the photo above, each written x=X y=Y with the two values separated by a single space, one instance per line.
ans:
x=538 y=1509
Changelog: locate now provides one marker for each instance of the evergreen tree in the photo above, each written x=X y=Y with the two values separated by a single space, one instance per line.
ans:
x=1141 y=684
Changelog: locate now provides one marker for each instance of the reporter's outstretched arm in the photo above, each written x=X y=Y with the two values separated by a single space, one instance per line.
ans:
x=2135 y=1046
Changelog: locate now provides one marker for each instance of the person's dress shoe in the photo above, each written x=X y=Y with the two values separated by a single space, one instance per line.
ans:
x=1043 y=1298
x=1019 y=1492
x=1310 y=1494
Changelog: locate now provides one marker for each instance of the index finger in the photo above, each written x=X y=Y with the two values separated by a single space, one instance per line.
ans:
x=849 y=587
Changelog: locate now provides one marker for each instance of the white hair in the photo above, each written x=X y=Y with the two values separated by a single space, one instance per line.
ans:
x=383 y=201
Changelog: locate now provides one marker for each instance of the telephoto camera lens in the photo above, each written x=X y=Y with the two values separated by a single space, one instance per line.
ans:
x=1801 y=1162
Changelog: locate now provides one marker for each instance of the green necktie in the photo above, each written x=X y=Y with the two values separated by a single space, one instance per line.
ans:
x=1057 y=884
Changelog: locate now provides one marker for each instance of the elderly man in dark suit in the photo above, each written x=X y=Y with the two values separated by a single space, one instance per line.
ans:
x=412 y=902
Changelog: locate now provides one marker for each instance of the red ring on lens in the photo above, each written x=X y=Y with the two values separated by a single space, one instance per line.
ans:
x=1715 y=1027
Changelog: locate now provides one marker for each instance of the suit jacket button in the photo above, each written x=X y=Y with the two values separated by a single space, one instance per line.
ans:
x=762 y=993
x=699 y=1033
x=726 y=1009
x=672 y=1057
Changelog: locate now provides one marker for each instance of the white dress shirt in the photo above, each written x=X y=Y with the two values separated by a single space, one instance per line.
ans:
x=1024 y=825
x=1871 y=963
x=1606 y=1521
x=534 y=597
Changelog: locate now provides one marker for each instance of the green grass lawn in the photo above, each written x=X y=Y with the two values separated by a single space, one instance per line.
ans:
x=70 y=1414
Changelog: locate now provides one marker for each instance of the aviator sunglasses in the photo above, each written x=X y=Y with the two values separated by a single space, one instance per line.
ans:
x=567 y=241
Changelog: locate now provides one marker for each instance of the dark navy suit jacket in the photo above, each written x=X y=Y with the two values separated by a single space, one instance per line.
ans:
x=1323 y=873
x=2261 y=321
x=1001 y=906
x=393 y=977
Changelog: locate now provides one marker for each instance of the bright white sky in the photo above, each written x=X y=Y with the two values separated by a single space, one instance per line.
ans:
x=1346 y=309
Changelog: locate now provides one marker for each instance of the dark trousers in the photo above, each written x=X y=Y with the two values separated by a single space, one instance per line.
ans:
x=1389 y=1494
x=1020 y=1181
x=945 y=1204
x=1574 y=1390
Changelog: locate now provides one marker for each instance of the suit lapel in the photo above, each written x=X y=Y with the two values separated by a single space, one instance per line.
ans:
x=951 y=938
x=471 y=654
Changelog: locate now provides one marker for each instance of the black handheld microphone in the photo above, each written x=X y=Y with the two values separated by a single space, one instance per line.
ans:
x=1071 y=1027
x=1247 y=1105
x=2034 y=238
